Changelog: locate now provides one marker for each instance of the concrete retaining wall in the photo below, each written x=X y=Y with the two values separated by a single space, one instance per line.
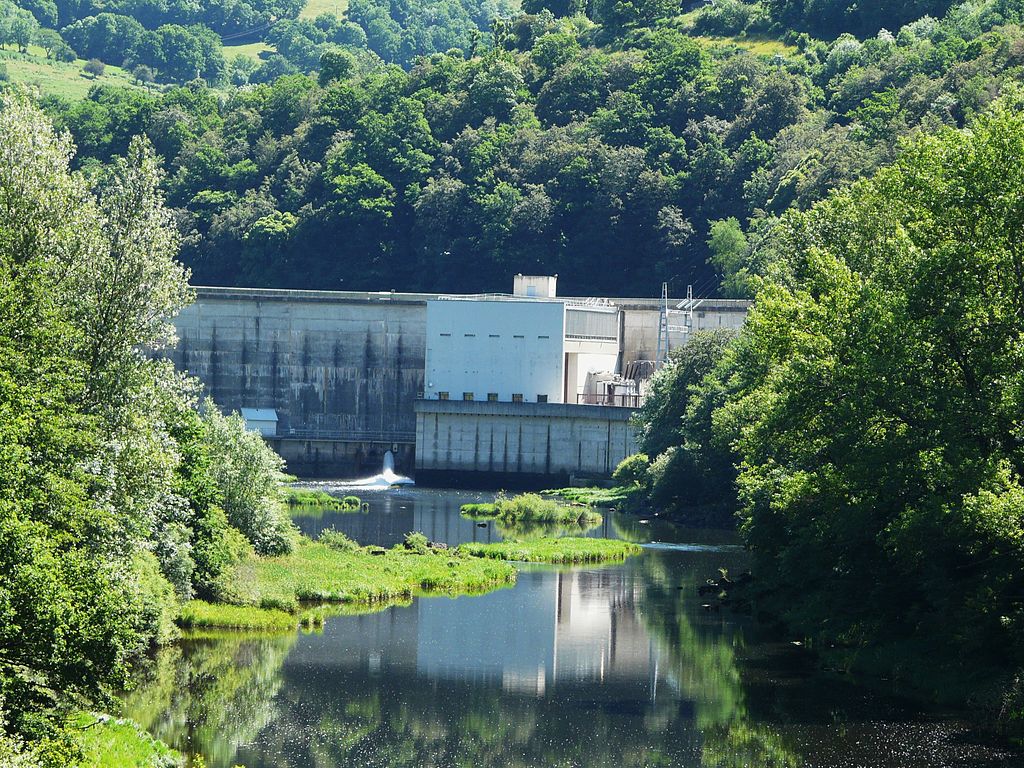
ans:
x=519 y=444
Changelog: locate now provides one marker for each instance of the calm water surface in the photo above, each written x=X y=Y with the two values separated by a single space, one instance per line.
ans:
x=611 y=666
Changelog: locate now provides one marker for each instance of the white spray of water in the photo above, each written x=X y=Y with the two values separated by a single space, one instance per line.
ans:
x=387 y=476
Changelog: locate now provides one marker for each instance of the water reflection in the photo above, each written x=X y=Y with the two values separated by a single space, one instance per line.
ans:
x=613 y=666
x=392 y=513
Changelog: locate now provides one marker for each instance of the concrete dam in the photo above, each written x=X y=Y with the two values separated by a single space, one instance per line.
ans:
x=334 y=379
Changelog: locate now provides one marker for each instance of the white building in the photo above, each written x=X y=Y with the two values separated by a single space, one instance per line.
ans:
x=529 y=347
x=504 y=350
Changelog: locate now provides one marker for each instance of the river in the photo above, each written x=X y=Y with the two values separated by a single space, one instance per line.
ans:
x=609 y=666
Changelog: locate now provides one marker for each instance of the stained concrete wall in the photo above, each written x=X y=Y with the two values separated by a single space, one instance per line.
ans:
x=519 y=444
x=640 y=323
x=341 y=370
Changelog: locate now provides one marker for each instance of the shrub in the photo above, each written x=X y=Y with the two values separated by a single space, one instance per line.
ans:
x=338 y=540
x=633 y=470
x=159 y=605
x=247 y=473
x=94 y=67
x=417 y=542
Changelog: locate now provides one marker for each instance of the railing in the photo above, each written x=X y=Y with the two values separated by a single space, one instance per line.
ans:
x=618 y=401
x=348 y=436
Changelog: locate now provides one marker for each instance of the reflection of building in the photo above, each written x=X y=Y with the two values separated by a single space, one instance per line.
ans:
x=571 y=628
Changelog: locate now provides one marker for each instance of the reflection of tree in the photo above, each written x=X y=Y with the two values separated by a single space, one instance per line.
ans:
x=211 y=695
x=703 y=662
x=540 y=529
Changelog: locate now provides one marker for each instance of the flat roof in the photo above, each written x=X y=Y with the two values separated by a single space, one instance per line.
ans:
x=395 y=297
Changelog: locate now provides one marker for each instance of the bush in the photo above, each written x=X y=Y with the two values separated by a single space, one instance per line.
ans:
x=248 y=474
x=94 y=67
x=726 y=17
x=159 y=604
x=417 y=542
x=633 y=470
x=338 y=540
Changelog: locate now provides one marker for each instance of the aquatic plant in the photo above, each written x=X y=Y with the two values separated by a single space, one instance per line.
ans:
x=319 y=500
x=531 y=507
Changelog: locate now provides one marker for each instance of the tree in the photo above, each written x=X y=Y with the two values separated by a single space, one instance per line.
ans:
x=50 y=41
x=23 y=30
x=876 y=417
x=94 y=67
x=335 y=65
x=728 y=247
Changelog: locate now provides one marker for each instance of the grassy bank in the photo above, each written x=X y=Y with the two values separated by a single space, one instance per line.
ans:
x=530 y=507
x=321 y=500
x=316 y=572
x=108 y=742
x=555 y=551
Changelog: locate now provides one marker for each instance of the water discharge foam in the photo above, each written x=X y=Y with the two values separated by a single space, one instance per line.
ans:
x=386 y=478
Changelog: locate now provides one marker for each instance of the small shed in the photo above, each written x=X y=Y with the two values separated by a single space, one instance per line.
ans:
x=262 y=420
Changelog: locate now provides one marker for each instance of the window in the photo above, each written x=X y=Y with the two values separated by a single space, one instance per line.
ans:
x=467 y=395
x=469 y=335
x=492 y=397
x=517 y=398
x=446 y=334
x=517 y=336
x=494 y=335
x=442 y=395
x=542 y=398
x=543 y=337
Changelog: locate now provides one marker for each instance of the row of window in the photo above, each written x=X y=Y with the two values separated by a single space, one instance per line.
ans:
x=496 y=336
x=492 y=397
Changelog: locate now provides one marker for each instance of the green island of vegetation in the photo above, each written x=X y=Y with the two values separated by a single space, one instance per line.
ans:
x=561 y=551
x=531 y=507
x=306 y=499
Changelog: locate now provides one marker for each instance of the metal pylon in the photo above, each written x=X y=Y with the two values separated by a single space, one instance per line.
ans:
x=662 y=356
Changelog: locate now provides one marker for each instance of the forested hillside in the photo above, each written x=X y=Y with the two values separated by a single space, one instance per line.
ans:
x=618 y=153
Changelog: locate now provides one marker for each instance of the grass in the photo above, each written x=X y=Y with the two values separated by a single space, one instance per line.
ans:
x=109 y=742
x=530 y=507
x=253 y=50
x=57 y=78
x=314 y=572
x=555 y=551
x=304 y=497
x=314 y=8
x=197 y=614
x=756 y=44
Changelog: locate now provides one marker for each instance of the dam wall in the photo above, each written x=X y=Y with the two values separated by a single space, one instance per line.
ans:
x=341 y=370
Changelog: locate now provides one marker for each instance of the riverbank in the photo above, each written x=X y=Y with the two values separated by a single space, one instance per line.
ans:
x=112 y=742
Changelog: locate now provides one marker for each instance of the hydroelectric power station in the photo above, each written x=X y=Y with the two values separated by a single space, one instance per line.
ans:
x=500 y=389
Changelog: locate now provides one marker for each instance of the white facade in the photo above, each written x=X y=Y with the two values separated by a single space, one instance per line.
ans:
x=535 y=286
x=495 y=349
